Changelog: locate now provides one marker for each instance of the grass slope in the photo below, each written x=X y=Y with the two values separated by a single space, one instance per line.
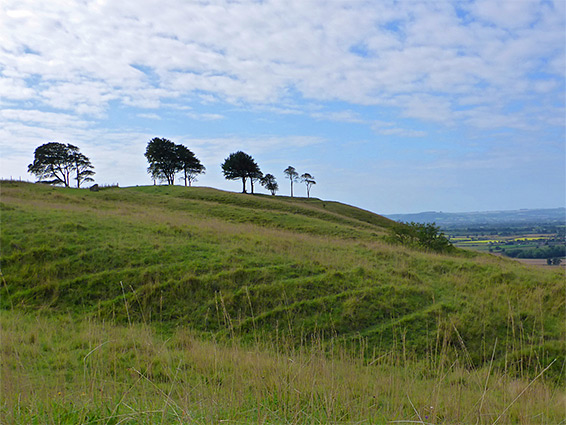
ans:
x=235 y=264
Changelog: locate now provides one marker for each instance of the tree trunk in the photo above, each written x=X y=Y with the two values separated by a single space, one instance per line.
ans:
x=243 y=185
x=291 y=188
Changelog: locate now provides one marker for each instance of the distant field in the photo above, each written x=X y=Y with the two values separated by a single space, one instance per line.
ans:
x=540 y=262
x=535 y=246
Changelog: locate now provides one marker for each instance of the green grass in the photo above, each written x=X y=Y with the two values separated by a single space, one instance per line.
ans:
x=266 y=272
x=99 y=372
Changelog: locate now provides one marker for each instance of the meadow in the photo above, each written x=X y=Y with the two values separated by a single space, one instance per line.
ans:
x=192 y=305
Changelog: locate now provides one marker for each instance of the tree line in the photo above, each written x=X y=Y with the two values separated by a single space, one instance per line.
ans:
x=57 y=163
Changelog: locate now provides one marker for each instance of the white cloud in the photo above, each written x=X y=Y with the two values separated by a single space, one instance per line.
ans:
x=397 y=68
x=150 y=116
x=87 y=54
x=205 y=116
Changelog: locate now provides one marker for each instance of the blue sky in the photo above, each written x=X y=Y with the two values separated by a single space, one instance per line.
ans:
x=393 y=106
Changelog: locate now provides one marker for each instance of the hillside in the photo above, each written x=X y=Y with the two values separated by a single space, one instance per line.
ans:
x=172 y=305
x=255 y=266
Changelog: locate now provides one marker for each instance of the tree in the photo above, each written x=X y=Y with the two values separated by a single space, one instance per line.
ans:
x=54 y=163
x=240 y=165
x=82 y=165
x=253 y=175
x=268 y=181
x=308 y=180
x=189 y=163
x=163 y=160
x=292 y=175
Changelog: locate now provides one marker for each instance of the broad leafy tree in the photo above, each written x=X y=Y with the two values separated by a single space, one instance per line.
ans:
x=167 y=159
x=189 y=163
x=240 y=165
x=292 y=175
x=268 y=181
x=163 y=160
x=55 y=163
x=308 y=180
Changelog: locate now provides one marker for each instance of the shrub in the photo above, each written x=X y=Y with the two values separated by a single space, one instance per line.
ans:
x=421 y=235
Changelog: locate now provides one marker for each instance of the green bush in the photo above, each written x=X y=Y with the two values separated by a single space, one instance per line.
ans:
x=421 y=235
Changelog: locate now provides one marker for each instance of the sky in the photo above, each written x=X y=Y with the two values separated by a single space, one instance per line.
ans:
x=393 y=106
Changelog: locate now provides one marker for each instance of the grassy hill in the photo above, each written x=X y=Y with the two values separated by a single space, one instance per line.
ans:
x=272 y=270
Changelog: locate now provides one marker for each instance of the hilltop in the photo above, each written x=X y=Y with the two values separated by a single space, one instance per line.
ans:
x=255 y=266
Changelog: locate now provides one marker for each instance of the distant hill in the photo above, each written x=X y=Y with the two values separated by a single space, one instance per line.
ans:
x=526 y=216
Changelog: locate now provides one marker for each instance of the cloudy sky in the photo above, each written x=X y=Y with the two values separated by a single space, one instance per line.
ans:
x=393 y=106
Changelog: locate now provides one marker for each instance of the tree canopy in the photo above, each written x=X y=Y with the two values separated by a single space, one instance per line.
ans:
x=240 y=165
x=292 y=175
x=55 y=162
x=82 y=166
x=162 y=157
x=309 y=181
x=268 y=181
x=189 y=163
x=167 y=159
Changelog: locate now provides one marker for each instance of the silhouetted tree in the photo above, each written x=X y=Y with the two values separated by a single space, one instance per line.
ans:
x=308 y=180
x=292 y=175
x=54 y=163
x=240 y=165
x=268 y=181
x=163 y=160
x=82 y=166
x=189 y=163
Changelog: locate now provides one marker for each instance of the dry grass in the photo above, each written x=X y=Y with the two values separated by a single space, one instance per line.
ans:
x=102 y=373
x=198 y=306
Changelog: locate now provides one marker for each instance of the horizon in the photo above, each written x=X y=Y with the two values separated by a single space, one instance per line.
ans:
x=398 y=106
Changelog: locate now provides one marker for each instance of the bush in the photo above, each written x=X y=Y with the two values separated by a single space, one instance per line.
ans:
x=422 y=235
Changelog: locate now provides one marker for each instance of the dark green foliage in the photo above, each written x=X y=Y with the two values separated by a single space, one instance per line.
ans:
x=422 y=235
x=167 y=159
x=240 y=165
x=54 y=163
x=268 y=181
x=81 y=166
x=543 y=252
x=163 y=160
x=189 y=164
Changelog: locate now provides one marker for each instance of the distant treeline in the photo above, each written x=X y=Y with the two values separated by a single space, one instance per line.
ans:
x=557 y=251
x=507 y=230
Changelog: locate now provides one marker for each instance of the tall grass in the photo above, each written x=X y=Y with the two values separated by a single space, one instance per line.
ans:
x=57 y=370
x=176 y=305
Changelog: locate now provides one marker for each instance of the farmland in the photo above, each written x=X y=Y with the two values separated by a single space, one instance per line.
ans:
x=524 y=234
x=521 y=245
